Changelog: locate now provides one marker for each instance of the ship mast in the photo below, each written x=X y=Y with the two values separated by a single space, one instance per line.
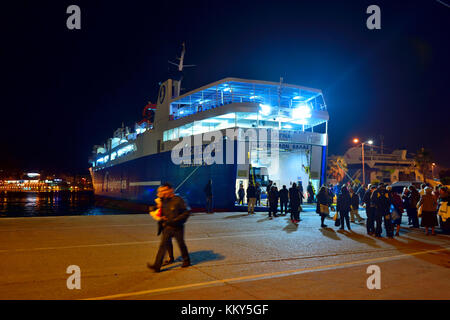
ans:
x=180 y=66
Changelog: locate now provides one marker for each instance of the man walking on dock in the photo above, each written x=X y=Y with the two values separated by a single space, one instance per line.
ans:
x=174 y=214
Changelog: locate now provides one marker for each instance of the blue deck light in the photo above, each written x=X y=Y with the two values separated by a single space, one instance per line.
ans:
x=301 y=112
x=265 y=109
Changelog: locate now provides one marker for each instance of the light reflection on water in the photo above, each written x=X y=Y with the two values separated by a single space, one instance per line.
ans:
x=31 y=204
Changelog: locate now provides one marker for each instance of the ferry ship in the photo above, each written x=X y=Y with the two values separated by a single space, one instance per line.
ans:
x=135 y=161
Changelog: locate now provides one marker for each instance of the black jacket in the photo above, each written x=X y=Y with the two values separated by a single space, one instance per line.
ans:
x=284 y=195
x=241 y=193
x=382 y=201
x=413 y=199
x=294 y=195
x=323 y=198
x=175 y=210
x=273 y=196
x=343 y=202
x=366 y=198
x=355 y=201
x=251 y=191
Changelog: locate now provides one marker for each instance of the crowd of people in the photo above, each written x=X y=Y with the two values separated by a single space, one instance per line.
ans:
x=383 y=205
x=289 y=200
x=381 y=202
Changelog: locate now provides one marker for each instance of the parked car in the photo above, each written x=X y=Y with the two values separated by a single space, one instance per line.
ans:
x=400 y=185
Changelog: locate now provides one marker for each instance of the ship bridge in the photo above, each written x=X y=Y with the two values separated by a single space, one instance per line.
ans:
x=233 y=102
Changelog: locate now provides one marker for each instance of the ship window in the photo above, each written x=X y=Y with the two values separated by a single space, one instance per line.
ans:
x=201 y=127
x=246 y=119
x=186 y=130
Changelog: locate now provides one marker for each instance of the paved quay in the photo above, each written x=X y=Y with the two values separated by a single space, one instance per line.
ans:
x=234 y=256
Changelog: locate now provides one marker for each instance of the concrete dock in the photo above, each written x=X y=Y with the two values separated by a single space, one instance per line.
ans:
x=234 y=256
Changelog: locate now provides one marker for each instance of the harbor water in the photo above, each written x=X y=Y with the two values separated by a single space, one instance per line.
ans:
x=40 y=204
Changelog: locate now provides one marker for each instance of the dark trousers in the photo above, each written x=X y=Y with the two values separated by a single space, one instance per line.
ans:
x=283 y=203
x=294 y=210
x=322 y=218
x=273 y=208
x=379 y=222
x=209 y=207
x=166 y=243
x=388 y=225
x=370 y=223
x=412 y=213
x=241 y=201
x=344 y=217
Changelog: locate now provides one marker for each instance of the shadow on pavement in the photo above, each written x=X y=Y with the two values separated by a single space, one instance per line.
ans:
x=329 y=233
x=290 y=227
x=237 y=216
x=197 y=257
x=362 y=238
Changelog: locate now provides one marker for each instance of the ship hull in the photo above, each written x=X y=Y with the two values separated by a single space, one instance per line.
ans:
x=137 y=180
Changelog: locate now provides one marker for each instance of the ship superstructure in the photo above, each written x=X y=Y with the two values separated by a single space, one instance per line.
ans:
x=135 y=161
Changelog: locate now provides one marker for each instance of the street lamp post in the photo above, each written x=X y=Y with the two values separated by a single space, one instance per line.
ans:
x=432 y=169
x=356 y=140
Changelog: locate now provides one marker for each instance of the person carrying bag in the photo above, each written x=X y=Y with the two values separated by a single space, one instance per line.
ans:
x=323 y=205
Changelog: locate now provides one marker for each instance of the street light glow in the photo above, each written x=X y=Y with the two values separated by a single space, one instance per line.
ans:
x=356 y=140
x=370 y=142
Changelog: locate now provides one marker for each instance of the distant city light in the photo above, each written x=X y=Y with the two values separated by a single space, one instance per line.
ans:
x=356 y=140
x=33 y=175
x=370 y=142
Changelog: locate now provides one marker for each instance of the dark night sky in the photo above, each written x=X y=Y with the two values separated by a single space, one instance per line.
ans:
x=65 y=90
